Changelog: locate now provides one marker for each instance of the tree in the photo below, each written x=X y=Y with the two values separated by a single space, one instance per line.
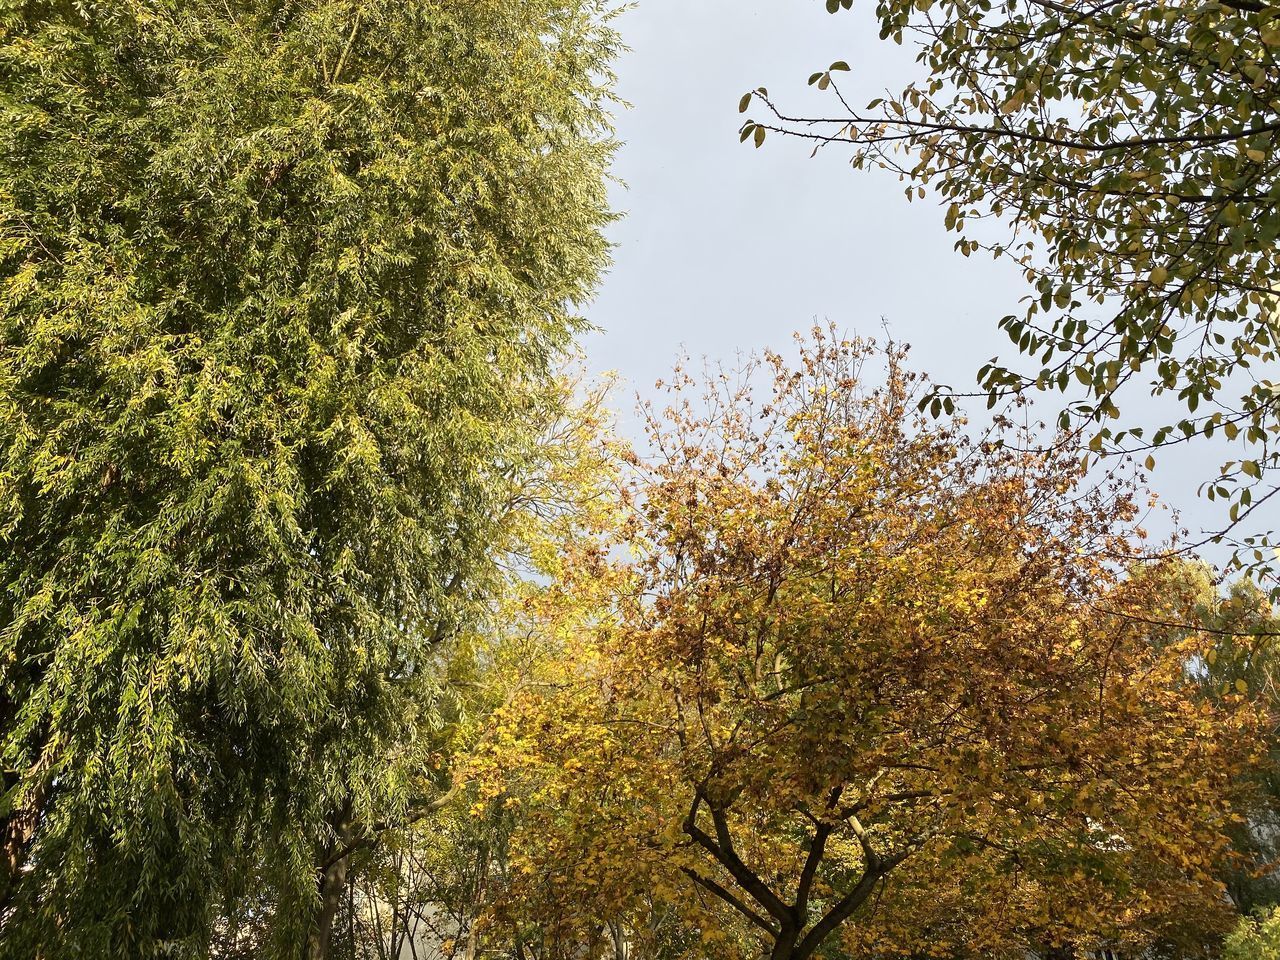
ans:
x=1128 y=151
x=849 y=682
x=283 y=284
x=1255 y=939
x=1243 y=660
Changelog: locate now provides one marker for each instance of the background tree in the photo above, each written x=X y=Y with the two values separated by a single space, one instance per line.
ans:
x=1128 y=150
x=281 y=285
x=847 y=681
x=417 y=884
x=1255 y=939
x=1242 y=660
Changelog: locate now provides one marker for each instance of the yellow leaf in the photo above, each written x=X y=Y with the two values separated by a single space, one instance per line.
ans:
x=1014 y=102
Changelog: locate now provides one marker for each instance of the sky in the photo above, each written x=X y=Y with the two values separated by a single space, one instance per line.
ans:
x=725 y=248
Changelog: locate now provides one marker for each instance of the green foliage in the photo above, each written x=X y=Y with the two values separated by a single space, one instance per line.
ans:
x=280 y=283
x=1257 y=938
x=1129 y=152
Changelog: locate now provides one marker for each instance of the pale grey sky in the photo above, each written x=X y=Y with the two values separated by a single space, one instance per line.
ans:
x=727 y=248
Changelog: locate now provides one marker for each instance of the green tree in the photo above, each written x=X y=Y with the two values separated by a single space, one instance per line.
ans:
x=1257 y=938
x=281 y=285
x=1128 y=149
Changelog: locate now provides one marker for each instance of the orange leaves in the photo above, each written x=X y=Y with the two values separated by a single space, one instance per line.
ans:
x=843 y=649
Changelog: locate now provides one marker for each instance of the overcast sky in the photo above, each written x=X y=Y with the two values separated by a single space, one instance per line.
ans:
x=726 y=248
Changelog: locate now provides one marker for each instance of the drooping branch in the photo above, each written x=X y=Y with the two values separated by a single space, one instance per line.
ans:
x=417 y=811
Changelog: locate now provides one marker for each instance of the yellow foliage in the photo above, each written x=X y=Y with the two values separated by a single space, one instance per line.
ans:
x=837 y=672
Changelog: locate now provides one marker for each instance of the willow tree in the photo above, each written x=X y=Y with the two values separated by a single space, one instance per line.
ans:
x=280 y=283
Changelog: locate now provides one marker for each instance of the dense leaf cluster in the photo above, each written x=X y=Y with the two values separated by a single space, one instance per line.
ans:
x=280 y=283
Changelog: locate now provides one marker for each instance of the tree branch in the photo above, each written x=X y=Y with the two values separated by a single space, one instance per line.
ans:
x=733 y=901
x=845 y=907
x=721 y=848
x=997 y=133
x=817 y=849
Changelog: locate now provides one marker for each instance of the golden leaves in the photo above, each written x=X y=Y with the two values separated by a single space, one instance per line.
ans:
x=839 y=620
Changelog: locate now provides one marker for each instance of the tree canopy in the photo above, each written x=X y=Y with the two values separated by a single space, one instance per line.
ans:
x=281 y=288
x=1128 y=152
x=338 y=620
x=848 y=681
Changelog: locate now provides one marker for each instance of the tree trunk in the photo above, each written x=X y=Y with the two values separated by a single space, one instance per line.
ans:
x=331 y=884
x=785 y=943
x=18 y=830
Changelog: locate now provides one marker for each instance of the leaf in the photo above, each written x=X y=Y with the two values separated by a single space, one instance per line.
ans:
x=9 y=797
x=745 y=103
x=1014 y=103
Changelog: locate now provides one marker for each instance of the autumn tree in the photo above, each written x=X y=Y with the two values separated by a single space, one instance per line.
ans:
x=846 y=680
x=1127 y=151
x=281 y=288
